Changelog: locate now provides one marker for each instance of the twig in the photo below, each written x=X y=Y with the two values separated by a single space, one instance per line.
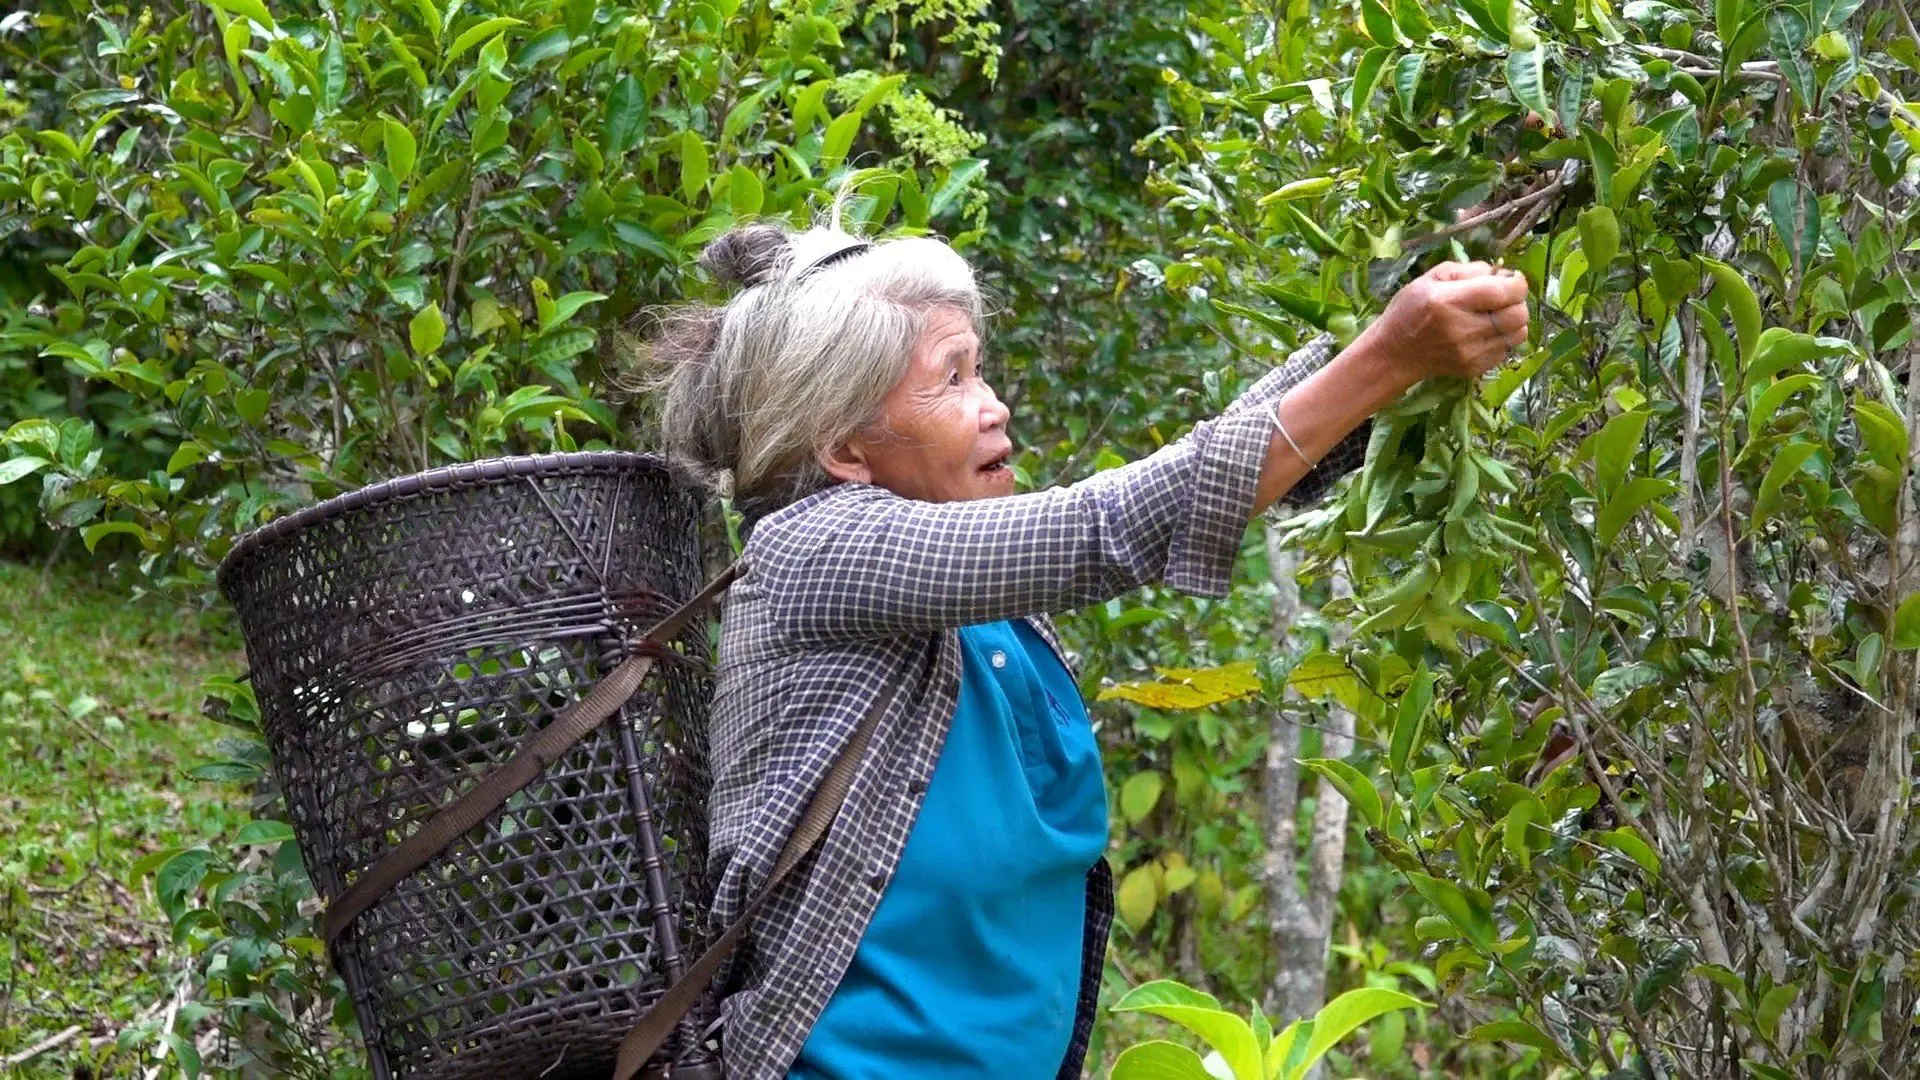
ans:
x=1906 y=20
x=166 y=1019
x=1898 y=106
x=1441 y=234
x=460 y=241
x=41 y=1047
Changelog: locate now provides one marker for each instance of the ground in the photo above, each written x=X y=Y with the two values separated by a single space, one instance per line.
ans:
x=99 y=725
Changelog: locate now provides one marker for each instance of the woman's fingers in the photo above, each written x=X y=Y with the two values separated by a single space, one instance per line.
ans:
x=1510 y=323
x=1459 y=271
x=1490 y=292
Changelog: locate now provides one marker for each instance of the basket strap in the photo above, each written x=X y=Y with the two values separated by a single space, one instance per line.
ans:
x=658 y=1023
x=527 y=763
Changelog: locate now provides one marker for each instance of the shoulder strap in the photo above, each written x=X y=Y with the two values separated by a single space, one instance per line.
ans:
x=652 y=1031
x=527 y=763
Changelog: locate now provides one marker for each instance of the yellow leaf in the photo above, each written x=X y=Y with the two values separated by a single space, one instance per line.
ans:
x=1189 y=688
x=1138 y=895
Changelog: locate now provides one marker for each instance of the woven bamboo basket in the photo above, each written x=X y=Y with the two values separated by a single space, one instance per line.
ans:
x=403 y=639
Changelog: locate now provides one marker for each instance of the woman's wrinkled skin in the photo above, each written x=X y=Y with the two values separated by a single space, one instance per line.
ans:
x=942 y=431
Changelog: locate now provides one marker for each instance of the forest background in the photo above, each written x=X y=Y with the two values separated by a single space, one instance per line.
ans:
x=1583 y=713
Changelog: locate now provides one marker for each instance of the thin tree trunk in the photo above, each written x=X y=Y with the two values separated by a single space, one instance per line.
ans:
x=1299 y=914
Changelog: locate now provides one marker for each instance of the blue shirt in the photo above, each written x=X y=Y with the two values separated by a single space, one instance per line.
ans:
x=971 y=965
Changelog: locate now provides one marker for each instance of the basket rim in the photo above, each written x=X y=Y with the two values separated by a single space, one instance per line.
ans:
x=445 y=477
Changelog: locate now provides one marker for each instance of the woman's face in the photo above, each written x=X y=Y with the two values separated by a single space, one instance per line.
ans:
x=942 y=432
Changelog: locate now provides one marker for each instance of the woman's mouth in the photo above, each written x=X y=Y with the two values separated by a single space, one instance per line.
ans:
x=998 y=464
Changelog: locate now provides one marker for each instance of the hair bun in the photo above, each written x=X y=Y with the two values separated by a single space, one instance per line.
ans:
x=749 y=255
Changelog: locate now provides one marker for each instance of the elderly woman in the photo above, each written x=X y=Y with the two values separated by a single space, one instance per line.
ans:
x=953 y=922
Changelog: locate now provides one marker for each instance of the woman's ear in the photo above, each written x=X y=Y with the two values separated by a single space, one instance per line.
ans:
x=846 y=462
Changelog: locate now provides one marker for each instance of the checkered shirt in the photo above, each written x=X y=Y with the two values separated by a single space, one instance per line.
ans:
x=855 y=588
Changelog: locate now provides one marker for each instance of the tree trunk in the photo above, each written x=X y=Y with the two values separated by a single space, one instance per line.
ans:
x=1299 y=913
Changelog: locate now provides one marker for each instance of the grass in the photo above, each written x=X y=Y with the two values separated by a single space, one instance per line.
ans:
x=99 y=724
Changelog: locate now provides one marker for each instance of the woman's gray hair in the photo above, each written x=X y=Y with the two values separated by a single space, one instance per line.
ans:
x=822 y=328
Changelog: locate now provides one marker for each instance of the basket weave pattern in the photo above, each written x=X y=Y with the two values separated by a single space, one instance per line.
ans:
x=404 y=639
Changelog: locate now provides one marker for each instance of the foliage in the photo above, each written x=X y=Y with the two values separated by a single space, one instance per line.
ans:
x=1633 y=667
x=99 y=733
x=1640 y=734
x=275 y=254
x=1239 y=1049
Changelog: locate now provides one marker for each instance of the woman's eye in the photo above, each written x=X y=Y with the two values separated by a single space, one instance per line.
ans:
x=953 y=376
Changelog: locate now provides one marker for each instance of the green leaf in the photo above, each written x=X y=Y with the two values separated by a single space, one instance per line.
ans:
x=427 y=330
x=809 y=105
x=1366 y=78
x=1228 y=1035
x=1378 y=22
x=1614 y=446
x=19 y=468
x=93 y=534
x=959 y=177
x=1775 y=396
x=263 y=833
x=475 y=34
x=251 y=405
x=1795 y=209
x=1341 y=1016
x=1779 y=348
x=1765 y=1072
x=744 y=191
x=1140 y=794
x=561 y=344
x=839 y=138
x=1599 y=237
x=1412 y=716
x=246 y=9
x=186 y=456
x=1787 y=33
x=1472 y=915
x=1406 y=79
x=429 y=15
x=626 y=114
x=1515 y=1031
x=1412 y=20
x=1517 y=828
x=1164 y=992
x=1613 y=685
x=694 y=166
x=1159 y=1060
x=1883 y=432
x=402 y=151
x=1906 y=621
x=544 y=46
x=1527 y=76
x=1358 y=790
x=1619 y=510
x=1742 y=305
x=565 y=307
x=333 y=74
x=1627 y=841
x=1786 y=463
x=880 y=92
x=35 y=431
x=1767 y=1016
x=1727 y=16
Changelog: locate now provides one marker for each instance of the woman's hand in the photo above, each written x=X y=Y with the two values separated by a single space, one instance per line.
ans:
x=1456 y=319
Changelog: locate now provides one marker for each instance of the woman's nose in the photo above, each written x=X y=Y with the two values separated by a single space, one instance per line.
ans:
x=993 y=412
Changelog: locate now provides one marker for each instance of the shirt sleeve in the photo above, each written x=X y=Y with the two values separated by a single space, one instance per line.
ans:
x=857 y=561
